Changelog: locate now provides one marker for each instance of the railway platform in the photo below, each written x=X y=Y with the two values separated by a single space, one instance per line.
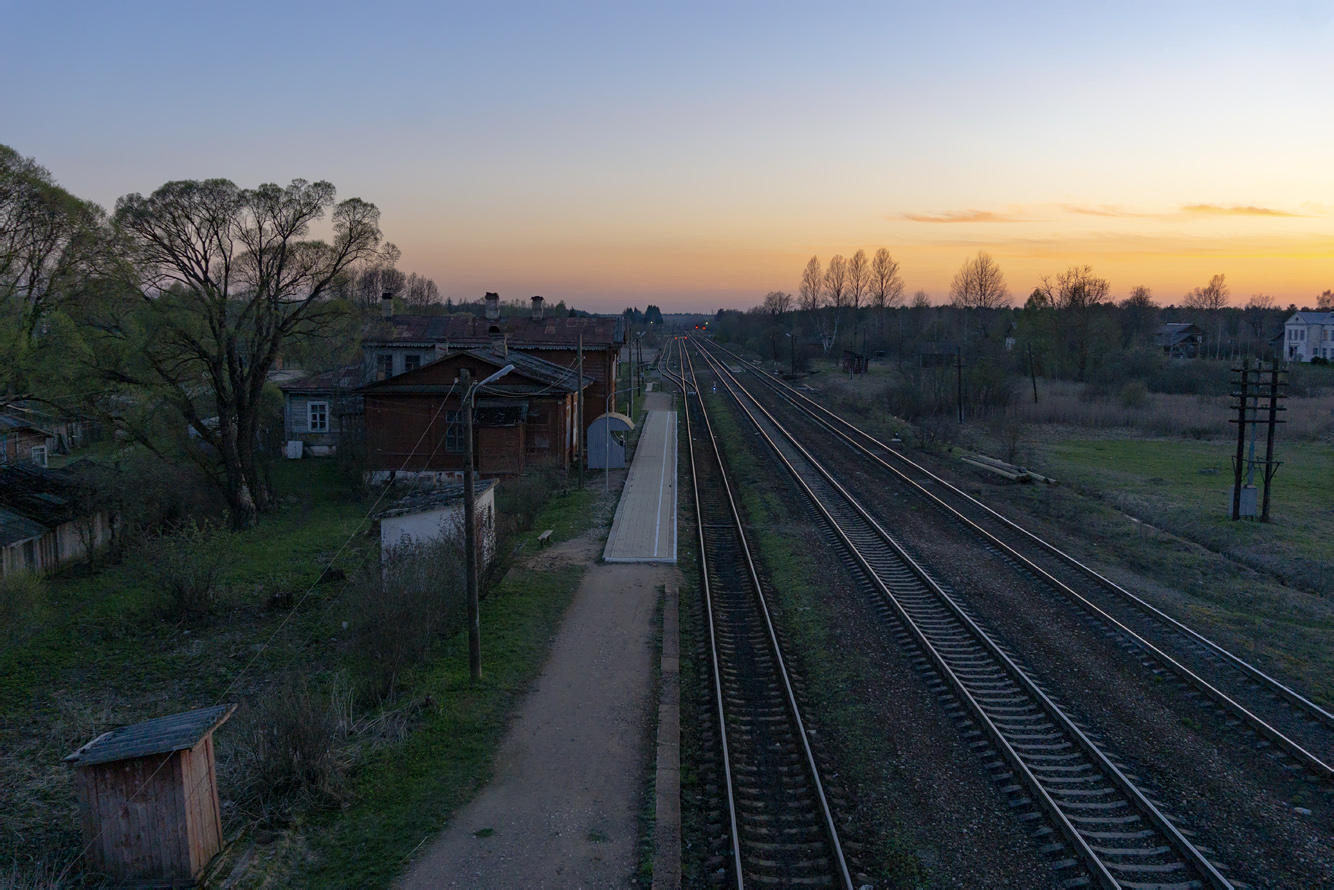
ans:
x=644 y=529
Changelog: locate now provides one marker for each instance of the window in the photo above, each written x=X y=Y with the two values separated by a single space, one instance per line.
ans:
x=454 y=431
x=411 y=362
x=38 y=455
x=384 y=365
x=319 y=416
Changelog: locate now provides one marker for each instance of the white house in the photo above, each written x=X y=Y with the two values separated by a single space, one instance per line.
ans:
x=1309 y=335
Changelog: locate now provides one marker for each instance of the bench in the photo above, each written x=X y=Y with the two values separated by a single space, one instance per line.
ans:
x=544 y=539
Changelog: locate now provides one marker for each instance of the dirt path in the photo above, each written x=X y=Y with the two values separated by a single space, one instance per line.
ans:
x=561 y=810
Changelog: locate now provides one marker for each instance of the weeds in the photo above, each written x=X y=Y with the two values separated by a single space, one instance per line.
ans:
x=188 y=566
x=21 y=598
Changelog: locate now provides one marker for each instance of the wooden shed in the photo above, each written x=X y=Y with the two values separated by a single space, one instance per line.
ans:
x=148 y=798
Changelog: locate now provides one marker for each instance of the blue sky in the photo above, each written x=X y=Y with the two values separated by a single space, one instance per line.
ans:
x=697 y=155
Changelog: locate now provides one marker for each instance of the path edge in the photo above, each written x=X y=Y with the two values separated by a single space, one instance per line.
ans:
x=667 y=822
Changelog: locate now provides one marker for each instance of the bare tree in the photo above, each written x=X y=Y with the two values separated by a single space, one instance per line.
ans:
x=777 y=302
x=1325 y=301
x=808 y=296
x=921 y=300
x=1256 y=314
x=222 y=277
x=836 y=283
x=1211 y=299
x=1075 y=293
x=1261 y=301
x=1138 y=314
x=886 y=285
x=859 y=279
x=979 y=284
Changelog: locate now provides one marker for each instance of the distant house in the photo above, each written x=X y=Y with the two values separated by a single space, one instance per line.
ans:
x=21 y=442
x=1179 y=339
x=317 y=407
x=1308 y=335
x=397 y=344
x=414 y=423
x=45 y=519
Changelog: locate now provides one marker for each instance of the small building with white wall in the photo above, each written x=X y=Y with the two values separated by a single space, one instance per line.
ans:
x=437 y=514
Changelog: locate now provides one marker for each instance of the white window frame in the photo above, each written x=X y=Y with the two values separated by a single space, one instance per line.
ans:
x=37 y=454
x=454 y=432
x=324 y=417
x=410 y=358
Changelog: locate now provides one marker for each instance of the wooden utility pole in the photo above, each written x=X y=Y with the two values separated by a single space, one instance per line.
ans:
x=579 y=411
x=1270 y=466
x=958 y=369
x=470 y=533
x=1032 y=373
x=1239 y=464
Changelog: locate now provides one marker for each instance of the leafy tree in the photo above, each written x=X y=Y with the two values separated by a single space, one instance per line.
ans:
x=652 y=315
x=216 y=280
x=1325 y=301
x=48 y=240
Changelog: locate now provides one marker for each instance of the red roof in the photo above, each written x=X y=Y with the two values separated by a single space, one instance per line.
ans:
x=522 y=331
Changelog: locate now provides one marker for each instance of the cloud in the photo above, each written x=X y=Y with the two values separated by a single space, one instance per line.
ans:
x=959 y=216
x=1235 y=210
x=1102 y=210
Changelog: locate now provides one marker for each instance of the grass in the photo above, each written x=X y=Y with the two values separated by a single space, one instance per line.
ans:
x=1186 y=488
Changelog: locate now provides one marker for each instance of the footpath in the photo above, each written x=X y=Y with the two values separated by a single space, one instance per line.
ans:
x=562 y=809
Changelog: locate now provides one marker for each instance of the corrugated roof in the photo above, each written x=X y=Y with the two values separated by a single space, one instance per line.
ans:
x=160 y=736
x=433 y=499
x=551 y=376
x=50 y=497
x=523 y=332
x=10 y=422
x=340 y=378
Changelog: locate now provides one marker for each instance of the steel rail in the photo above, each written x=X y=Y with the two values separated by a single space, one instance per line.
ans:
x=794 y=711
x=1191 y=855
x=1274 y=685
x=1308 y=760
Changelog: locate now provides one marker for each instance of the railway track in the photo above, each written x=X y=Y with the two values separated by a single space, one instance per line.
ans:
x=1110 y=832
x=781 y=828
x=1300 y=731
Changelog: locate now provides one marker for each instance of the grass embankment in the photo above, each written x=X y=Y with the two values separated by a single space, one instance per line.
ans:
x=106 y=652
x=799 y=588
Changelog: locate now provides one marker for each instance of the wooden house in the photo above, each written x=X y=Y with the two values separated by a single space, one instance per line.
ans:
x=397 y=344
x=318 y=407
x=22 y=442
x=148 y=798
x=414 y=423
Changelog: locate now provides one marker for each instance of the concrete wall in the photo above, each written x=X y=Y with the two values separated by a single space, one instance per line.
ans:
x=444 y=522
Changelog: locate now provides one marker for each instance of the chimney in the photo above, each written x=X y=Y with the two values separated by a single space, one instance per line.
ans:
x=387 y=305
x=492 y=306
x=500 y=344
x=537 y=307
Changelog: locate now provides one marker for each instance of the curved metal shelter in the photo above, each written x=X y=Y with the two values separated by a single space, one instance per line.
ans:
x=607 y=436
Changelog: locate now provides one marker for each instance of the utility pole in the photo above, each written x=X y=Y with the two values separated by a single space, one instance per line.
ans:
x=958 y=369
x=1270 y=466
x=579 y=411
x=1239 y=463
x=470 y=534
x=1032 y=373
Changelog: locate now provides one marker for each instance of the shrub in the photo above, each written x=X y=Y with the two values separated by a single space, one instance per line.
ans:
x=21 y=598
x=519 y=499
x=287 y=751
x=187 y=565
x=1134 y=395
x=399 y=608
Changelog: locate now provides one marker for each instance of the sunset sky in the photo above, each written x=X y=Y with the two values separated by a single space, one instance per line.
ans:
x=696 y=155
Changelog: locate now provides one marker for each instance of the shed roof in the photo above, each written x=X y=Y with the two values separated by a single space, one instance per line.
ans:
x=50 y=497
x=15 y=528
x=523 y=331
x=10 y=422
x=339 y=378
x=433 y=499
x=160 y=736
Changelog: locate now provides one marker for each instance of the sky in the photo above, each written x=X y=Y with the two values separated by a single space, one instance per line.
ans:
x=695 y=156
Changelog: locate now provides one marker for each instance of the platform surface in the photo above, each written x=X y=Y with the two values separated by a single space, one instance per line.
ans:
x=644 y=529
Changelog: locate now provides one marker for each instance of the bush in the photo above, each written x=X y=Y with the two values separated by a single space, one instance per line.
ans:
x=21 y=598
x=187 y=566
x=287 y=752
x=399 y=608
x=1134 y=394
x=520 y=498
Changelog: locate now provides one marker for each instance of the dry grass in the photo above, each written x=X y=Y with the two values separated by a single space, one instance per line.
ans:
x=1159 y=414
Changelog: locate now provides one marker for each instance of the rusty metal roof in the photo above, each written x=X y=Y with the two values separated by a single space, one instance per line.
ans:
x=523 y=332
x=160 y=736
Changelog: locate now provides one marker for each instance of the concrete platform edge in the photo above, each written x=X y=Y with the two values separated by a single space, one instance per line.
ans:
x=667 y=821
